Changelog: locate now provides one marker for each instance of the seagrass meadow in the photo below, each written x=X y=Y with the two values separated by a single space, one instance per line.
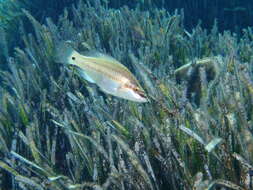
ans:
x=60 y=132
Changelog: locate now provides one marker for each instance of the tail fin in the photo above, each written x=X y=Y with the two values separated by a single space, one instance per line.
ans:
x=64 y=52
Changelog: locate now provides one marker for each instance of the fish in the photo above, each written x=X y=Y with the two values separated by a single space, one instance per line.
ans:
x=106 y=72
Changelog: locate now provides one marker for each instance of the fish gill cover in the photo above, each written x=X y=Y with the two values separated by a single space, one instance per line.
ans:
x=57 y=131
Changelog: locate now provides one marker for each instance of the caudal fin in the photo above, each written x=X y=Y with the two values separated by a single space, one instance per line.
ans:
x=64 y=52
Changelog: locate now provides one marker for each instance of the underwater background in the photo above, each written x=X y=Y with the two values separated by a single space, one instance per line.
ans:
x=193 y=59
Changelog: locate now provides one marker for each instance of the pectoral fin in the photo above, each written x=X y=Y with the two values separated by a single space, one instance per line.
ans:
x=86 y=76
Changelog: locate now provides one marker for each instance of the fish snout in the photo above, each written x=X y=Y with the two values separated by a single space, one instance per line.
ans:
x=134 y=94
x=142 y=95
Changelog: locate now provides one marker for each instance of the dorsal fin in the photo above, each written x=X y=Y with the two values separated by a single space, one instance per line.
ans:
x=100 y=55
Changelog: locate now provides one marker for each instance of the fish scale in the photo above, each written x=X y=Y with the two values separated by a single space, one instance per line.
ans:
x=103 y=70
x=118 y=69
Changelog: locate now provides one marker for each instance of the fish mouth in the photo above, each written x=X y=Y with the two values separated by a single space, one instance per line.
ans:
x=141 y=93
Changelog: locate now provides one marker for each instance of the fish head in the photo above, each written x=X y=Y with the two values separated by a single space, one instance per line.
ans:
x=132 y=92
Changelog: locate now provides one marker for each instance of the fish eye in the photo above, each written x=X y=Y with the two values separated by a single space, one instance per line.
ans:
x=73 y=58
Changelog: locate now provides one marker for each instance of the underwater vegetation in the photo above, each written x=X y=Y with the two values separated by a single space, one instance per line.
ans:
x=11 y=13
x=58 y=131
x=231 y=14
